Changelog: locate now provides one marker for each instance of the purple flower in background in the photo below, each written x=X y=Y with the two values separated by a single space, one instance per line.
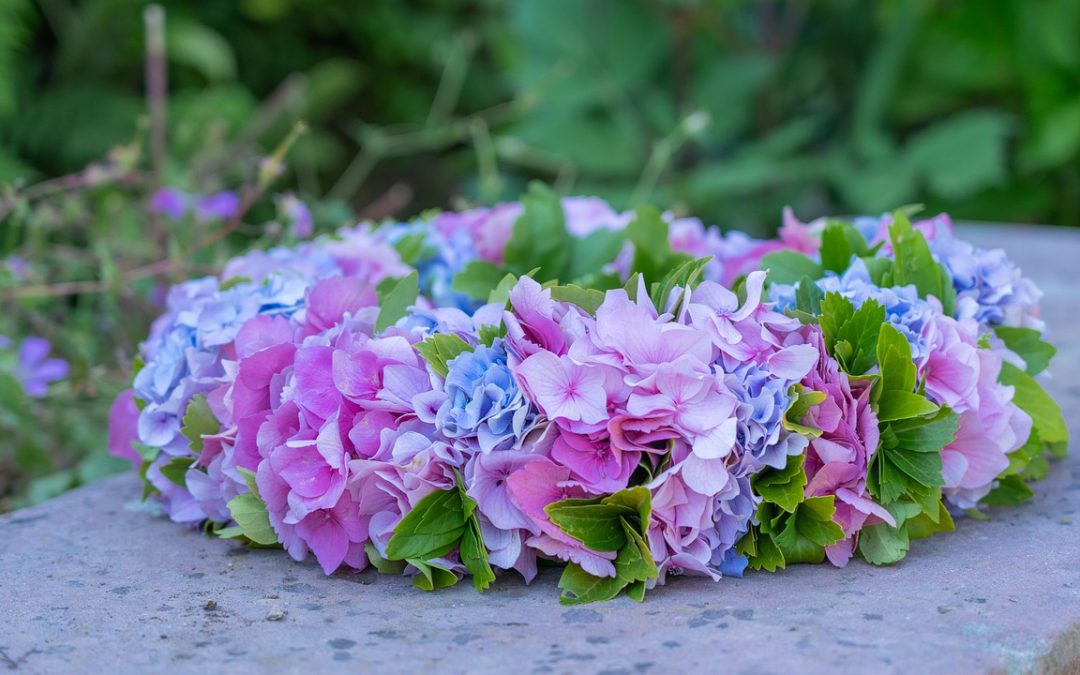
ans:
x=18 y=267
x=170 y=202
x=35 y=370
x=220 y=206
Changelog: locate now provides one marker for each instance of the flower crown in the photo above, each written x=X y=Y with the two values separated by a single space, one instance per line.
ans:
x=632 y=394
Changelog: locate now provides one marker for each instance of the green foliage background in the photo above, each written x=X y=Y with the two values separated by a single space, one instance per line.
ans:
x=725 y=109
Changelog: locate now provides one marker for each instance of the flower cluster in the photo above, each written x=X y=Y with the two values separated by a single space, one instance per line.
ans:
x=691 y=404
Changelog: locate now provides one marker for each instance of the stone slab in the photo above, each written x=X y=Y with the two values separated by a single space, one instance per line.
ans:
x=89 y=584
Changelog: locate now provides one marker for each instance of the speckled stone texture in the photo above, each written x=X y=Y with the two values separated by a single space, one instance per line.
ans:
x=89 y=583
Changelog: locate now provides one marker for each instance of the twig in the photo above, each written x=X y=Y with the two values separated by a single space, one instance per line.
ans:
x=392 y=201
x=157 y=84
x=664 y=150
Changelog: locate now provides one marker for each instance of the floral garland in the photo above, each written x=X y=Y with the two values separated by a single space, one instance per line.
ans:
x=632 y=394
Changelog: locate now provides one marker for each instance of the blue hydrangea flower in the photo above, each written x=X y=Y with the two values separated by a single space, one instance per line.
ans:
x=763 y=399
x=483 y=401
x=904 y=309
x=183 y=356
x=989 y=286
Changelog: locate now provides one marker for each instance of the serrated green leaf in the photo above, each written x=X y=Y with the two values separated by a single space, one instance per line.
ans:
x=395 y=295
x=914 y=264
x=808 y=297
x=198 y=421
x=851 y=335
x=440 y=349
x=783 y=487
x=474 y=556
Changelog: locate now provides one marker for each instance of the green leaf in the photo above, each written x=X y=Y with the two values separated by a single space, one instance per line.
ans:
x=914 y=264
x=648 y=232
x=380 y=563
x=840 y=241
x=176 y=469
x=789 y=267
x=431 y=529
x=597 y=525
x=686 y=276
x=411 y=247
x=474 y=555
x=898 y=371
x=883 y=544
x=925 y=435
x=580 y=587
x=395 y=295
x=1010 y=491
x=440 y=349
x=479 y=279
x=431 y=576
x=250 y=515
x=249 y=480
x=637 y=499
x=198 y=421
x=851 y=335
x=802 y=400
x=585 y=298
x=539 y=238
x=962 y=154
x=500 y=295
x=591 y=253
x=808 y=297
x=783 y=487
x=1027 y=343
x=635 y=561
x=232 y=282
x=1033 y=399
x=900 y=405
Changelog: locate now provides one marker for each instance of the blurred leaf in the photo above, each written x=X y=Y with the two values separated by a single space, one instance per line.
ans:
x=200 y=47
x=961 y=154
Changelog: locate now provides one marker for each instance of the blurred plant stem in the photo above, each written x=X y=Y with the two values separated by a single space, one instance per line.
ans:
x=157 y=92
